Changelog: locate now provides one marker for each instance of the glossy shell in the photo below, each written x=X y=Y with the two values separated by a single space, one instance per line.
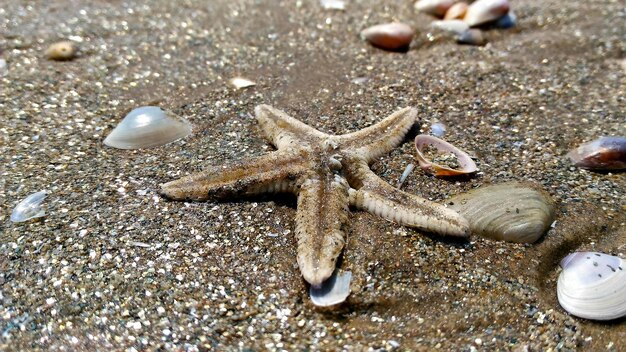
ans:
x=468 y=165
x=485 y=11
x=147 y=127
x=604 y=153
x=389 y=36
x=434 y=7
x=456 y=11
x=512 y=211
x=593 y=285
x=29 y=208
x=240 y=82
x=333 y=291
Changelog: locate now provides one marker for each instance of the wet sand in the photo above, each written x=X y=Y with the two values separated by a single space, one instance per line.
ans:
x=113 y=266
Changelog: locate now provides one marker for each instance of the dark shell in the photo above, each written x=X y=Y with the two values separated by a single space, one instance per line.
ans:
x=604 y=153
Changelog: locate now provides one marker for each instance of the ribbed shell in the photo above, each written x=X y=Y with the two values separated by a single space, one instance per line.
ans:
x=512 y=211
x=593 y=285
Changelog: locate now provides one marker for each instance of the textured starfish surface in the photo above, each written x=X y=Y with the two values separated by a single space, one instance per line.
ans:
x=327 y=173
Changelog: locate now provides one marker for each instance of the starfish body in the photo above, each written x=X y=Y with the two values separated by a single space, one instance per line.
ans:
x=327 y=173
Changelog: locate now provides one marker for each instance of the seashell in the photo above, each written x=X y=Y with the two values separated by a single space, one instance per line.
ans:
x=507 y=21
x=29 y=207
x=604 y=153
x=333 y=291
x=471 y=37
x=484 y=11
x=451 y=26
x=407 y=171
x=456 y=11
x=333 y=4
x=593 y=285
x=61 y=51
x=434 y=7
x=467 y=165
x=241 y=83
x=512 y=211
x=389 y=36
x=147 y=127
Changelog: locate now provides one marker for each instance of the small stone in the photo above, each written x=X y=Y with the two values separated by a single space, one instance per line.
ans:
x=61 y=51
x=471 y=37
x=389 y=36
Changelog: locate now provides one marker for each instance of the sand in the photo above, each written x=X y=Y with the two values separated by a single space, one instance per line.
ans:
x=113 y=266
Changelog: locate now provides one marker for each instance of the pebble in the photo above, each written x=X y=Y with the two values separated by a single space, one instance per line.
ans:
x=472 y=37
x=61 y=51
x=389 y=36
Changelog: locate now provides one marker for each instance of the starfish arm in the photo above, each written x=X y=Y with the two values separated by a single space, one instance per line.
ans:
x=271 y=173
x=379 y=139
x=378 y=197
x=283 y=130
x=320 y=220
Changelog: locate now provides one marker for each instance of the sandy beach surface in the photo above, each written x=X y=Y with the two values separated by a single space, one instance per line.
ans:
x=113 y=266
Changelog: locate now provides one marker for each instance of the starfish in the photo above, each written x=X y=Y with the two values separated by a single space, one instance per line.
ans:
x=327 y=173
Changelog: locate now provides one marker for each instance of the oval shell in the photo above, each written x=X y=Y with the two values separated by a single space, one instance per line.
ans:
x=147 y=127
x=593 y=285
x=333 y=291
x=485 y=11
x=456 y=11
x=389 y=36
x=434 y=7
x=451 y=26
x=472 y=37
x=604 y=153
x=29 y=207
x=512 y=211
x=60 y=51
x=468 y=165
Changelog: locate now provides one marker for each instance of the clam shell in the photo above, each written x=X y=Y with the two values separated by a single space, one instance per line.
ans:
x=604 y=153
x=147 y=127
x=60 y=51
x=512 y=211
x=456 y=11
x=484 y=11
x=434 y=7
x=333 y=291
x=593 y=285
x=29 y=207
x=389 y=36
x=468 y=165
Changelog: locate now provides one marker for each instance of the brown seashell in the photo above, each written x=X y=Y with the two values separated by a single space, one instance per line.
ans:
x=468 y=165
x=457 y=11
x=512 y=211
x=485 y=11
x=436 y=8
x=61 y=51
x=604 y=153
x=389 y=36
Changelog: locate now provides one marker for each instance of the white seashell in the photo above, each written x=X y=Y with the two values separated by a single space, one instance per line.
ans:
x=434 y=7
x=484 y=11
x=240 y=83
x=452 y=26
x=407 y=171
x=333 y=291
x=593 y=285
x=29 y=208
x=438 y=129
x=333 y=4
x=512 y=211
x=147 y=127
